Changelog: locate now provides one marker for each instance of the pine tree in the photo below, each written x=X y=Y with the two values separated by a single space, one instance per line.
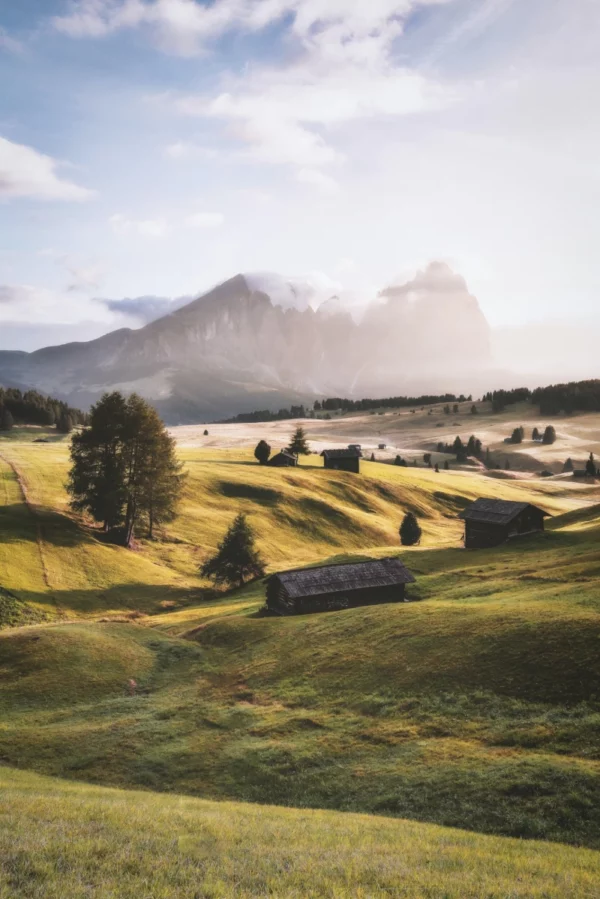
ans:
x=437 y=467
x=123 y=467
x=549 y=435
x=262 y=452
x=590 y=466
x=458 y=449
x=535 y=434
x=299 y=445
x=473 y=409
x=446 y=466
x=410 y=532
x=7 y=421
x=568 y=466
x=236 y=559
x=455 y=408
x=205 y=433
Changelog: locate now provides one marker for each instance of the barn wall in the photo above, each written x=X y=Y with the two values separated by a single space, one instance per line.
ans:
x=278 y=600
x=479 y=535
x=352 y=465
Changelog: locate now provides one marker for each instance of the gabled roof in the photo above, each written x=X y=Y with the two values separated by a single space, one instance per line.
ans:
x=341 y=453
x=284 y=452
x=496 y=511
x=342 y=578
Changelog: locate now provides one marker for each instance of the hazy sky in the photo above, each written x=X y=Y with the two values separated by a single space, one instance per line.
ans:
x=156 y=147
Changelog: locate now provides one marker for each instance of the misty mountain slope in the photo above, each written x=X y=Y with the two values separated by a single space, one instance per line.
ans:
x=238 y=348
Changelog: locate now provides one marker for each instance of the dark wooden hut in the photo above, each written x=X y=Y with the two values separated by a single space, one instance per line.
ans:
x=334 y=587
x=284 y=459
x=489 y=522
x=342 y=459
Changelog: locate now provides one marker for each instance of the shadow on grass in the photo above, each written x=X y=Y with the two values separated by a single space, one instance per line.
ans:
x=19 y=523
x=146 y=599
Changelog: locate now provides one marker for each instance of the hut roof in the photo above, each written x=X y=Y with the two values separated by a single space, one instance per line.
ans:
x=342 y=578
x=350 y=453
x=496 y=511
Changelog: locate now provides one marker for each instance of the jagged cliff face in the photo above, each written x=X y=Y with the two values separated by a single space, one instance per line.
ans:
x=240 y=347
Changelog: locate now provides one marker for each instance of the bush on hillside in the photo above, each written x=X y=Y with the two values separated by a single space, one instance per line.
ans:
x=410 y=532
x=262 y=452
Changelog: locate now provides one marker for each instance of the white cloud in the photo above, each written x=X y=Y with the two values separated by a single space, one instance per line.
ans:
x=205 y=220
x=28 y=303
x=318 y=179
x=11 y=44
x=185 y=150
x=345 y=71
x=26 y=173
x=124 y=227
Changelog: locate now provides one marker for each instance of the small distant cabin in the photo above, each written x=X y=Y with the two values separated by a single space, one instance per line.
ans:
x=581 y=473
x=342 y=459
x=334 y=587
x=284 y=459
x=489 y=522
x=382 y=446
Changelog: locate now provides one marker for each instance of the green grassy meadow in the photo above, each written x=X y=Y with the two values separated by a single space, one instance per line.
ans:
x=60 y=839
x=476 y=707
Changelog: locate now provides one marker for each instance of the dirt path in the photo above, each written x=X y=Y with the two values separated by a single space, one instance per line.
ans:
x=23 y=489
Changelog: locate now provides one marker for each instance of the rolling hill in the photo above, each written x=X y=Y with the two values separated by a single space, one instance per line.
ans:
x=475 y=706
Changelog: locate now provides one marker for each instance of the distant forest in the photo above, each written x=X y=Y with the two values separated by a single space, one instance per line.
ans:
x=32 y=408
x=340 y=404
x=576 y=396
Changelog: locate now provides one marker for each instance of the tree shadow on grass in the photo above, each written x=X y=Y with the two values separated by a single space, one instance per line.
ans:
x=125 y=599
x=20 y=523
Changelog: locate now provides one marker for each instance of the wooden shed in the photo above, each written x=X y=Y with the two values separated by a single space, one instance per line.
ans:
x=284 y=459
x=342 y=459
x=489 y=522
x=333 y=587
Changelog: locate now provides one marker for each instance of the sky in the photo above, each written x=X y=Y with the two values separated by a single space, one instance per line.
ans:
x=150 y=149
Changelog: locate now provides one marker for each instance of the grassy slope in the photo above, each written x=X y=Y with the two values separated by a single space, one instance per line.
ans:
x=301 y=516
x=62 y=839
x=478 y=707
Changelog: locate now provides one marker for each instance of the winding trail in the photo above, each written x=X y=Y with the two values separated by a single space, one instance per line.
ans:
x=23 y=489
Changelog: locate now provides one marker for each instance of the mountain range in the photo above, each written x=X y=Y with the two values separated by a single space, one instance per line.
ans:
x=263 y=341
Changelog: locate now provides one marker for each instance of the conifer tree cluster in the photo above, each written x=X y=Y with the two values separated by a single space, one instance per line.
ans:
x=32 y=408
x=124 y=472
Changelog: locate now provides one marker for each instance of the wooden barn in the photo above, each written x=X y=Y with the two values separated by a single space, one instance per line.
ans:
x=342 y=459
x=489 y=522
x=333 y=587
x=284 y=459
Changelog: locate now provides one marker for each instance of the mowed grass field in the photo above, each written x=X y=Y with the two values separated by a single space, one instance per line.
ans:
x=477 y=706
x=60 y=839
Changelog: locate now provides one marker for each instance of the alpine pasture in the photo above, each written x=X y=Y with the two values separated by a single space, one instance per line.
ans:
x=477 y=706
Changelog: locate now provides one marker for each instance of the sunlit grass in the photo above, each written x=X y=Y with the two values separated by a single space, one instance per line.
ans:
x=61 y=840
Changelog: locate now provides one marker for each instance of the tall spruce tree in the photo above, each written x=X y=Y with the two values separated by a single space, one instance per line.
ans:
x=236 y=559
x=299 y=445
x=124 y=471
x=410 y=532
x=549 y=435
x=590 y=466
